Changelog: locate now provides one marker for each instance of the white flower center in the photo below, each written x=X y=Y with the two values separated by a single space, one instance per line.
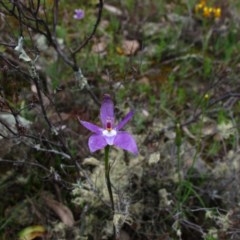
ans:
x=110 y=133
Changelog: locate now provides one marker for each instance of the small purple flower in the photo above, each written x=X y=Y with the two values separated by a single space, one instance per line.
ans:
x=109 y=134
x=78 y=14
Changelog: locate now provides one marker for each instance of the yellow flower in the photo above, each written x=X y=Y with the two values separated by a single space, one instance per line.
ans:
x=206 y=12
x=198 y=7
x=206 y=96
x=217 y=12
x=119 y=50
x=203 y=2
x=210 y=9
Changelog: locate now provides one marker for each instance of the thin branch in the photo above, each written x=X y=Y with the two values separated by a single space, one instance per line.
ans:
x=24 y=162
x=55 y=17
x=36 y=80
x=194 y=118
x=85 y=42
x=64 y=155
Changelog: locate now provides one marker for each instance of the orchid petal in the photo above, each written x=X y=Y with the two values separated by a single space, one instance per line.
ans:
x=107 y=110
x=126 y=141
x=96 y=142
x=125 y=120
x=92 y=127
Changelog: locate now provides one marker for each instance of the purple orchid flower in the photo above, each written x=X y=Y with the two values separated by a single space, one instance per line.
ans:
x=78 y=14
x=110 y=134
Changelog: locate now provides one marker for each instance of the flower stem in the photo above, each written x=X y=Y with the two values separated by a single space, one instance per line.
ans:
x=107 y=175
x=108 y=181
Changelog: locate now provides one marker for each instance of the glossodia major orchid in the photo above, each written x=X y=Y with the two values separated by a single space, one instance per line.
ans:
x=109 y=133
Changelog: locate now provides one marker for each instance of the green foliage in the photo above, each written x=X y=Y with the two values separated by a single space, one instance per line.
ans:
x=214 y=148
x=61 y=32
x=181 y=96
x=53 y=71
x=210 y=237
x=222 y=116
x=207 y=67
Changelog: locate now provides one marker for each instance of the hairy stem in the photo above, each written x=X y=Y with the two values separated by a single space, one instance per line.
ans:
x=107 y=175
x=108 y=181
